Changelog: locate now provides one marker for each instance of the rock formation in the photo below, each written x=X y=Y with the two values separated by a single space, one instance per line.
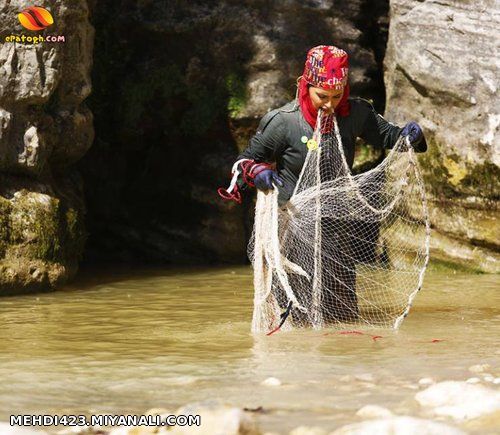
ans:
x=45 y=127
x=442 y=71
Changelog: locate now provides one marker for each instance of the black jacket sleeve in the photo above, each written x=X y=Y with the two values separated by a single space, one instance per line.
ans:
x=267 y=141
x=377 y=131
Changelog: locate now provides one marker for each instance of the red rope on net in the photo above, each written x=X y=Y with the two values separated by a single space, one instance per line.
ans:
x=249 y=170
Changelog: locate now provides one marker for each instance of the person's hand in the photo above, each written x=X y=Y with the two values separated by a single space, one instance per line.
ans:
x=264 y=179
x=414 y=132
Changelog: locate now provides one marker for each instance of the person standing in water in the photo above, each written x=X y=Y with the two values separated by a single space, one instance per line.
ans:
x=277 y=152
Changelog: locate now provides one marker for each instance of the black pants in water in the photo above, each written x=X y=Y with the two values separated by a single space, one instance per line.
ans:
x=340 y=252
x=339 y=302
x=338 y=276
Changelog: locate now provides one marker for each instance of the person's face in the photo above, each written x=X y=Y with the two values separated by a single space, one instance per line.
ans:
x=325 y=99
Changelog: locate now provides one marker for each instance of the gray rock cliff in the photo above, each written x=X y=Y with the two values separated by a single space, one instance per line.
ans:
x=45 y=127
x=442 y=65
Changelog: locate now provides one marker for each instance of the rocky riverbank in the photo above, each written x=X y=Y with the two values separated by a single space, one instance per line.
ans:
x=448 y=408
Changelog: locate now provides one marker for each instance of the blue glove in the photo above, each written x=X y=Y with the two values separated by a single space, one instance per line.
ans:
x=414 y=132
x=264 y=179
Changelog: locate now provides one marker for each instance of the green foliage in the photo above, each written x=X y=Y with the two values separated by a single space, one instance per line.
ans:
x=236 y=88
x=5 y=209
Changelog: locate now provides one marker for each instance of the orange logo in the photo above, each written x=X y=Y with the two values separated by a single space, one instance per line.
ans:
x=35 y=18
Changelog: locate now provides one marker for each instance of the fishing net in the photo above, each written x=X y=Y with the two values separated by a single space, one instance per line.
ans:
x=344 y=250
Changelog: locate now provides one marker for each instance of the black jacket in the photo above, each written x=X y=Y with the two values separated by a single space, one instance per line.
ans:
x=278 y=139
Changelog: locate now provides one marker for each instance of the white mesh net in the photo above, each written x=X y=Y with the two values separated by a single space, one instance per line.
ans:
x=345 y=249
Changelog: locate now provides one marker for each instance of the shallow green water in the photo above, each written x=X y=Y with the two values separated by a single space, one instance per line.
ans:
x=126 y=342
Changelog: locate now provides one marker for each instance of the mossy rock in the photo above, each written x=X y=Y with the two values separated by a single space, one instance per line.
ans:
x=34 y=225
x=42 y=227
x=22 y=275
x=449 y=175
x=41 y=241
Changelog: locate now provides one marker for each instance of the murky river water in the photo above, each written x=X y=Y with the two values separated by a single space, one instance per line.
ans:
x=128 y=342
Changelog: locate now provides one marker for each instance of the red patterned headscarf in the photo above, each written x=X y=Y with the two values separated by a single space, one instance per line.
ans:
x=326 y=67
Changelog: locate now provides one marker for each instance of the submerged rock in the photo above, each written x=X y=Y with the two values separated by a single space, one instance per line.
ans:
x=479 y=368
x=459 y=400
x=367 y=377
x=426 y=381
x=373 y=411
x=398 y=426
x=271 y=382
